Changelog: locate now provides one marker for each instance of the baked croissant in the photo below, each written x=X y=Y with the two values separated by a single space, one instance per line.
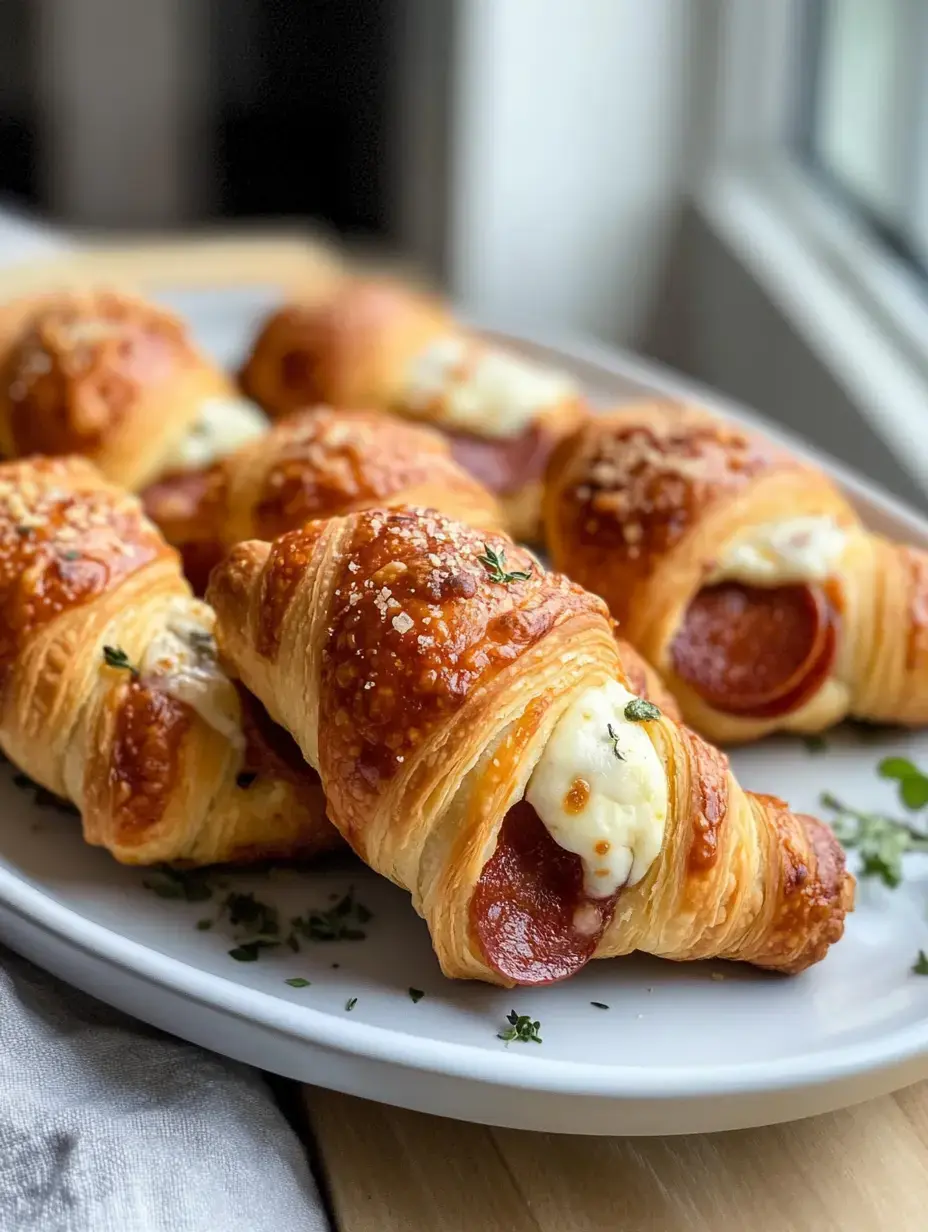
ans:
x=380 y=344
x=471 y=723
x=119 y=381
x=312 y=464
x=110 y=693
x=742 y=573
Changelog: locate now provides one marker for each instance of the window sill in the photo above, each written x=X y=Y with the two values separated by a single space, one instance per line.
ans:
x=841 y=294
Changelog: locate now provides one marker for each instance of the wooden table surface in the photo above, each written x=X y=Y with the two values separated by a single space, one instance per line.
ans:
x=386 y=1170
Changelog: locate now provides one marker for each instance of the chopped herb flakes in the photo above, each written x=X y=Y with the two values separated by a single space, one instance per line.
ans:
x=351 y=1003
x=248 y=951
x=639 y=710
x=189 y=885
x=495 y=564
x=204 y=926
x=298 y=982
x=815 y=743
x=416 y=994
x=521 y=1028
x=115 y=656
x=338 y=923
x=614 y=737
x=600 y=1005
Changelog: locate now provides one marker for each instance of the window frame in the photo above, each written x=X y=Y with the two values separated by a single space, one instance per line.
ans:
x=854 y=301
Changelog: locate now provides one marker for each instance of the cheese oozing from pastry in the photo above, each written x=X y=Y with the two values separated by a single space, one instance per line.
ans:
x=601 y=791
x=222 y=425
x=805 y=549
x=469 y=387
x=182 y=660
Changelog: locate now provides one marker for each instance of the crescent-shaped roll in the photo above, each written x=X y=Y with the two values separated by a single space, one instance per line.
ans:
x=470 y=718
x=741 y=572
x=116 y=380
x=312 y=464
x=381 y=344
x=110 y=692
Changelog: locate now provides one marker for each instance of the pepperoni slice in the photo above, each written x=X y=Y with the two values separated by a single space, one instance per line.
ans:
x=756 y=651
x=528 y=902
x=503 y=464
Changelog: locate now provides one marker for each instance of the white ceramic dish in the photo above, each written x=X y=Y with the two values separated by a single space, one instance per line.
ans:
x=681 y=1049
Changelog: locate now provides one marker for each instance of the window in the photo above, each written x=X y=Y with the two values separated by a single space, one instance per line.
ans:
x=864 y=117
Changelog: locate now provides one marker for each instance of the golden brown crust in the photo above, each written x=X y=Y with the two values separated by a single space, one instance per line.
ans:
x=148 y=738
x=356 y=346
x=346 y=347
x=104 y=375
x=631 y=485
x=422 y=673
x=639 y=505
x=317 y=463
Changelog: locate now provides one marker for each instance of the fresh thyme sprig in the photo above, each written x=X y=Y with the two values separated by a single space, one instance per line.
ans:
x=521 y=1028
x=882 y=841
x=115 y=656
x=495 y=564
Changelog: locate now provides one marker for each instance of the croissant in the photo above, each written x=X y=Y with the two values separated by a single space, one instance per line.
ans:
x=470 y=718
x=116 y=380
x=380 y=344
x=742 y=573
x=110 y=693
x=312 y=464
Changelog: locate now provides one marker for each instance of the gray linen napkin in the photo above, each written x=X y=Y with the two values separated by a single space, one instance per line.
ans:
x=107 y=1125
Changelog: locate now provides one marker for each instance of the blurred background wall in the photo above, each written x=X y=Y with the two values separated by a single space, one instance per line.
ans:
x=737 y=187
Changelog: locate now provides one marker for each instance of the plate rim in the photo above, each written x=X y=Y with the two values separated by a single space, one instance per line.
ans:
x=306 y=1024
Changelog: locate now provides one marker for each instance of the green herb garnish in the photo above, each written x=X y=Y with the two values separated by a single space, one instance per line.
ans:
x=815 y=743
x=614 y=737
x=351 y=1003
x=913 y=784
x=337 y=923
x=416 y=994
x=248 y=951
x=882 y=841
x=71 y=554
x=920 y=966
x=640 y=710
x=190 y=886
x=115 y=656
x=250 y=911
x=521 y=1028
x=495 y=564
x=297 y=981
x=600 y=1005
x=203 y=926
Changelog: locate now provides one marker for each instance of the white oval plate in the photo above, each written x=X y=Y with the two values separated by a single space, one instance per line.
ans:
x=680 y=1048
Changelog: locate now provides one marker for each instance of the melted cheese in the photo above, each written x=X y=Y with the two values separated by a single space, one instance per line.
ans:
x=618 y=828
x=475 y=388
x=182 y=660
x=806 y=549
x=221 y=426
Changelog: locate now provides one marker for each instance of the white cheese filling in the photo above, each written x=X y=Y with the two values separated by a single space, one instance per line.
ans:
x=222 y=425
x=182 y=659
x=601 y=791
x=481 y=390
x=805 y=549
